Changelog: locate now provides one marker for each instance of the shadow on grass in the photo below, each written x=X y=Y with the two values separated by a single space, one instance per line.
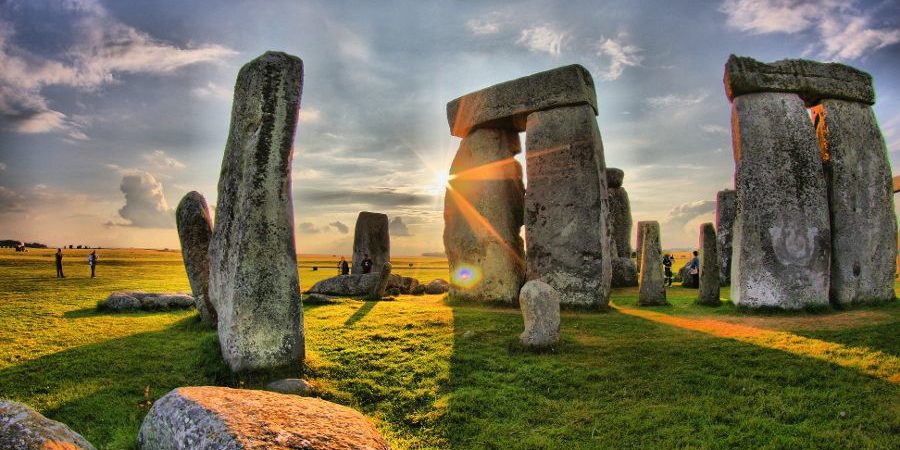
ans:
x=359 y=314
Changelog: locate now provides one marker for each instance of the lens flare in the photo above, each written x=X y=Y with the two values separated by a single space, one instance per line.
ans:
x=466 y=276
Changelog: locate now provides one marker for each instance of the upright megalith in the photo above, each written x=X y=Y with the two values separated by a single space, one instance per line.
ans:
x=253 y=279
x=566 y=205
x=371 y=237
x=639 y=240
x=863 y=223
x=624 y=269
x=483 y=216
x=194 y=232
x=725 y=211
x=652 y=281
x=539 y=303
x=709 y=267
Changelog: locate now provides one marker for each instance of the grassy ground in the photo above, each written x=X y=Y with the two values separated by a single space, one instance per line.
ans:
x=438 y=375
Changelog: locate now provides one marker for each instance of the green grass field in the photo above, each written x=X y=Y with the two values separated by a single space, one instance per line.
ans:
x=432 y=374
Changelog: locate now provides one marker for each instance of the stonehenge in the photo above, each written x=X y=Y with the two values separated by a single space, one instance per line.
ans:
x=194 y=232
x=624 y=270
x=371 y=237
x=566 y=207
x=804 y=236
x=709 y=267
x=253 y=279
x=652 y=281
x=725 y=211
x=369 y=285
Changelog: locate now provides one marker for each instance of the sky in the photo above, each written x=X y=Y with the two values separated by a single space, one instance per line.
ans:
x=111 y=111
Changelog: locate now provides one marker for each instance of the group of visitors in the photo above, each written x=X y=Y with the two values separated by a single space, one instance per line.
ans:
x=692 y=278
x=344 y=266
x=91 y=260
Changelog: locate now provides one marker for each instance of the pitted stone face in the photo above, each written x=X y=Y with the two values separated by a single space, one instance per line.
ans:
x=614 y=177
x=507 y=105
x=811 y=80
x=194 y=231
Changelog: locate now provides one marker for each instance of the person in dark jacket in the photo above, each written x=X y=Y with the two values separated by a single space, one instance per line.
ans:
x=667 y=264
x=59 y=270
x=366 y=264
x=694 y=270
x=92 y=261
x=344 y=267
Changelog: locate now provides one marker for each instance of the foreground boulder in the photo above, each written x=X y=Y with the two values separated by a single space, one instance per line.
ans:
x=437 y=286
x=406 y=285
x=22 y=428
x=194 y=232
x=371 y=285
x=125 y=301
x=214 y=418
x=539 y=303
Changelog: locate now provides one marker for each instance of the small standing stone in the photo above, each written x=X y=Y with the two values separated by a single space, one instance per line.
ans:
x=652 y=283
x=539 y=303
x=194 y=232
x=725 y=211
x=639 y=238
x=383 y=277
x=371 y=237
x=709 y=267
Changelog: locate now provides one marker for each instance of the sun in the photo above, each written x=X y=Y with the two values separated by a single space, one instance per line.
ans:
x=439 y=180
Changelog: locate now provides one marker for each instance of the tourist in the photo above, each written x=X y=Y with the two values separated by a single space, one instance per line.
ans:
x=92 y=261
x=694 y=271
x=344 y=267
x=59 y=271
x=667 y=264
x=366 y=264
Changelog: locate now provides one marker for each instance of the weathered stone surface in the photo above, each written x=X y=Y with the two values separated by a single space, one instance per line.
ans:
x=317 y=298
x=371 y=237
x=506 y=105
x=217 y=418
x=384 y=276
x=620 y=222
x=811 y=80
x=125 y=301
x=539 y=303
x=684 y=275
x=567 y=207
x=709 y=267
x=406 y=285
x=437 y=286
x=420 y=290
x=863 y=224
x=371 y=285
x=614 y=177
x=22 y=428
x=253 y=279
x=624 y=272
x=782 y=239
x=483 y=215
x=639 y=240
x=194 y=232
x=725 y=210
x=652 y=281
x=295 y=386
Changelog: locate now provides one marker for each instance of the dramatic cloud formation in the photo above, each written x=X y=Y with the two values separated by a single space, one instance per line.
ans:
x=340 y=227
x=398 y=228
x=680 y=216
x=145 y=204
x=845 y=30
x=616 y=55
x=543 y=38
x=308 y=228
x=376 y=198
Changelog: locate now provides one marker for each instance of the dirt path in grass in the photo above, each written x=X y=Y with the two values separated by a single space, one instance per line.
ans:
x=833 y=321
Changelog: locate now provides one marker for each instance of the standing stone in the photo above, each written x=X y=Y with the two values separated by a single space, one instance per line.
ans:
x=624 y=273
x=566 y=205
x=253 y=277
x=483 y=215
x=709 y=267
x=539 y=303
x=782 y=239
x=383 y=277
x=652 y=286
x=22 y=428
x=725 y=211
x=194 y=232
x=639 y=239
x=863 y=224
x=371 y=237
x=619 y=213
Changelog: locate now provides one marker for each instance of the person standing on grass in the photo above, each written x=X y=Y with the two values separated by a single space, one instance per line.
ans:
x=694 y=271
x=366 y=264
x=667 y=264
x=344 y=267
x=92 y=261
x=59 y=271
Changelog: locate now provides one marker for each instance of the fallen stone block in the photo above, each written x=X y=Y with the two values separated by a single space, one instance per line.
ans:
x=23 y=428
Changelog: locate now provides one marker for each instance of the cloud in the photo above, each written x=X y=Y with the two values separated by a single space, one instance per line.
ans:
x=714 y=129
x=310 y=115
x=212 y=90
x=308 y=228
x=2 y=167
x=158 y=159
x=10 y=201
x=145 y=204
x=682 y=214
x=618 y=55
x=675 y=100
x=340 y=227
x=845 y=31
x=378 y=198
x=483 y=26
x=398 y=228
x=543 y=38
x=101 y=48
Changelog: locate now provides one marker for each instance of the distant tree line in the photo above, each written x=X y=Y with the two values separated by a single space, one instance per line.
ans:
x=14 y=243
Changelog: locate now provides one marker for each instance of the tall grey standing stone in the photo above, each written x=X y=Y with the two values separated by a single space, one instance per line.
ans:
x=782 y=239
x=725 y=211
x=652 y=280
x=483 y=216
x=709 y=267
x=863 y=224
x=539 y=303
x=371 y=237
x=619 y=213
x=253 y=277
x=194 y=232
x=639 y=239
x=566 y=205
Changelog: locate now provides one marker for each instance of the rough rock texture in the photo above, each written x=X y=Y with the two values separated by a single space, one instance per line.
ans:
x=317 y=298
x=22 y=428
x=506 y=105
x=709 y=267
x=406 y=285
x=620 y=222
x=384 y=277
x=371 y=285
x=217 y=418
x=684 y=275
x=253 y=279
x=539 y=303
x=437 y=286
x=863 y=224
x=652 y=282
x=725 y=210
x=295 y=386
x=483 y=215
x=371 y=237
x=420 y=290
x=639 y=240
x=566 y=206
x=624 y=272
x=811 y=80
x=782 y=238
x=614 y=177
x=194 y=232
x=125 y=301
